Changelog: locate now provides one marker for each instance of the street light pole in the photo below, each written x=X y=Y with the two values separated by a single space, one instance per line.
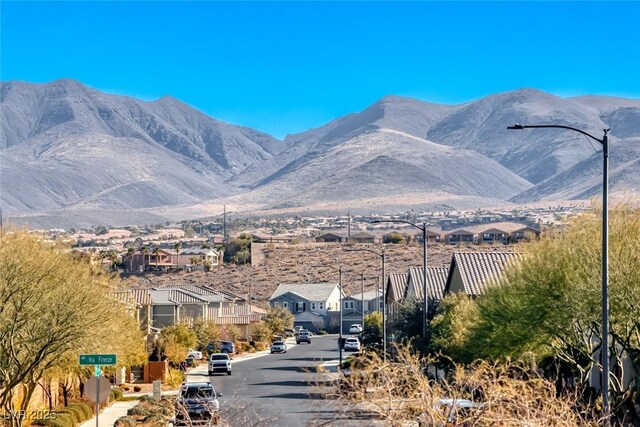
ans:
x=425 y=287
x=604 y=350
x=384 y=302
x=362 y=296
x=340 y=336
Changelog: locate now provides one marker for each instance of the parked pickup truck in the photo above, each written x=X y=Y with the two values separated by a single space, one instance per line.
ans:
x=219 y=362
x=197 y=405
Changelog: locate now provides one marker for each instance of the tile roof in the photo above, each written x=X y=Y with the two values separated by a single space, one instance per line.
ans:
x=201 y=292
x=479 y=269
x=141 y=296
x=368 y=295
x=396 y=284
x=436 y=279
x=125 y=297
x=175 y=296
x=308 y=291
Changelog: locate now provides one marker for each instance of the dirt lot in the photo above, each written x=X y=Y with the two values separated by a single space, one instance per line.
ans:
x=310 y=262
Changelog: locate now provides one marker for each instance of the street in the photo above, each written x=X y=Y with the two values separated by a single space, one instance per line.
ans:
x=280 y=385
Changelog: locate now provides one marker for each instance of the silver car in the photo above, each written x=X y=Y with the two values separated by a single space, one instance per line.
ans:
x=278 y=347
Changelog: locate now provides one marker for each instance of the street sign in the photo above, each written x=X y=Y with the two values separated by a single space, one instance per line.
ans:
x=97 y=389
x=97 y=359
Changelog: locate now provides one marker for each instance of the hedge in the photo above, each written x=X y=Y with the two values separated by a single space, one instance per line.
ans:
x=86 y=409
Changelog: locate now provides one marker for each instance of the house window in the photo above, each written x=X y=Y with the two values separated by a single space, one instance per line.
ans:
x=348 y=304
x=313 y=306
x=321 y=306
x=300 y=306
x=285 y=304
x=277 y=304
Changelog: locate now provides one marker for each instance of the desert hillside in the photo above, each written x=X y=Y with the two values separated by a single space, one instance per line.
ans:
x=310 y=262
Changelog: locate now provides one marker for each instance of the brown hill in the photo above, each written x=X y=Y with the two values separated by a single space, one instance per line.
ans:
x=310 y=262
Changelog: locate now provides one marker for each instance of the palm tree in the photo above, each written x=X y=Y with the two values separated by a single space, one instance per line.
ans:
x=156 y=252
x=130 y=253
x=177 y=248
x=144 y=250
x=112 y=255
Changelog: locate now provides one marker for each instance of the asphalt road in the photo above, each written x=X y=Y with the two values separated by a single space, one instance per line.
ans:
x=278 y=385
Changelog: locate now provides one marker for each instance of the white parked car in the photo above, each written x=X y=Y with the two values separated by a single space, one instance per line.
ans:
x=278 y=347
x=219 y=362
x=194 y=354
x=352 y=344
x=355 y=329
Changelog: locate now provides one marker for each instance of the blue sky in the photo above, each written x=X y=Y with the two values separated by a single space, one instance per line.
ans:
x=286 y=67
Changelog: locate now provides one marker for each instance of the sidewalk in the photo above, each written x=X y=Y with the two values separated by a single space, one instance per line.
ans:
x=110 y=415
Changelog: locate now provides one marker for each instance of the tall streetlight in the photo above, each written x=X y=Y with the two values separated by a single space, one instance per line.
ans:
x=339 y=270
x=384 y=302
x=604 y=350
x=425 y=287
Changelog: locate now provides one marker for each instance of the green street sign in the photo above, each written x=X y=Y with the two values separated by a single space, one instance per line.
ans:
x=97 y=359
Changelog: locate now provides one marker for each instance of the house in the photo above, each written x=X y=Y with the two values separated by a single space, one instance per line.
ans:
x=362 y=237
x=211 y=257
x=492 y=235
x=473 y=272
x=167 y=258
x=353 y=311
x=436 y=281
x=432 y=237
x=173 y=306
x=458 y=236
x=314 y=305
x=330 y=238
x=525 y=233
x=396 y=288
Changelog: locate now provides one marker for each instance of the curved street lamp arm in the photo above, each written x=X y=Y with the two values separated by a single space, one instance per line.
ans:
x=519 y=126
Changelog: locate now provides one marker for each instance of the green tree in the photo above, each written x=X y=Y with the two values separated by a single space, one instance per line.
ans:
x=262 y=332
x=130 y=253
x=232 y=333
x=177 y=247
x=144 y=251
x=551 y=303
x=278 y=319
x=372 y=331
x=156 y=252
x=52 y=308
x=395 y=238
x=450 y=328
x=206 y=332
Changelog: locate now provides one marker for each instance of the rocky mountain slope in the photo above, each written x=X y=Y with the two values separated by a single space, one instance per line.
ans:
x=67 y=150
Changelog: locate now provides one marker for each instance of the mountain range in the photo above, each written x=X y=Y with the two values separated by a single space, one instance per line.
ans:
x=71 y=155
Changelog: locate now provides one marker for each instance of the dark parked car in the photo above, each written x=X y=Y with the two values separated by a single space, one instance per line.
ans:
x=197 y=405
x=221 y=347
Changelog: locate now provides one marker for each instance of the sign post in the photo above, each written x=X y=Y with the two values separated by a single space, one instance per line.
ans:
x=97 y=382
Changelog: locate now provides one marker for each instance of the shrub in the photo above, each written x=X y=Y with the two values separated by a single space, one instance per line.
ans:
x=76 y=413
x=322 y=332
x=117 y=392
x=73 y=416
x=175 y=377
x=61 y=419
x=260 y=346
x=125 y=422
x=86 y=409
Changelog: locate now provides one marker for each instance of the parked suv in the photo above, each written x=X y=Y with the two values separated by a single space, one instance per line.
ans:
x=219 y=362
x=197 y=405
x=303 y=336
x=221 y=347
